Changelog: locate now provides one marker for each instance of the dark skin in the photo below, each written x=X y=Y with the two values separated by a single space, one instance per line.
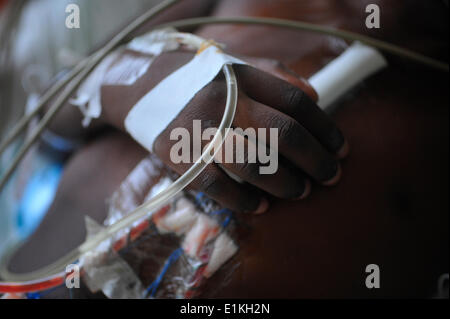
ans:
x=390 y=208
x=68 y=120
x=309 y=148
x=310 y=144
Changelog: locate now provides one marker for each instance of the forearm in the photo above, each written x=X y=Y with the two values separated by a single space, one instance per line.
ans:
x=68 y=121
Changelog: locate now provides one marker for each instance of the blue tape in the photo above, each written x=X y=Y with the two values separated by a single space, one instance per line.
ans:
x=172 y=258
x=226 y=221
x=221 y=211
x=226 y=211
x=201 y=198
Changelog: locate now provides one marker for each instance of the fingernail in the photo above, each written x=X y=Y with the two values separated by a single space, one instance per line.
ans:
x=262 y=207
x=344 y=150
x=306 y=191
x=333 y=181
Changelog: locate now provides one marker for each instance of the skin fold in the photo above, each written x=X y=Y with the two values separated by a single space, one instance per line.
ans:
x=390 y=207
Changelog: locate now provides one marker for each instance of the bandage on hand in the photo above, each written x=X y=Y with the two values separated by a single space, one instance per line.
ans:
x=309 y=143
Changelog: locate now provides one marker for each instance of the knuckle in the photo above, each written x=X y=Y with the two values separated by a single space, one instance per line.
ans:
x=276 y=121
x=289 y=132
x=285 y=129
x=294 y=97
x=249 y=171
x=211 y=184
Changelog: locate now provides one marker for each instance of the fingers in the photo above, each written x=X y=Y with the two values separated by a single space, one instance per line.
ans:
x=239 y=197
x=279 y=70
x=213 y=181
x=285 y=182
x=294 y=142
x=292 y=101
x=307 y=141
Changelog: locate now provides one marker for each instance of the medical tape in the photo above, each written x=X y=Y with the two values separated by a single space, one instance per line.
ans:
x=352 y=67
x=155 y=42
x=124 y=70
x=159 y=107
x=88 y=98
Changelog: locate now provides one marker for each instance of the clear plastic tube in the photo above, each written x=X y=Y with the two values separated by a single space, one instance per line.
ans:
x=157 y=201
x=217 y=141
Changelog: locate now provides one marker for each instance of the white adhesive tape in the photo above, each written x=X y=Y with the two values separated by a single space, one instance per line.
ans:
x=158 y=108
x=353 y=66
x=155 y=42
x=126 y=71
x=88 y=98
